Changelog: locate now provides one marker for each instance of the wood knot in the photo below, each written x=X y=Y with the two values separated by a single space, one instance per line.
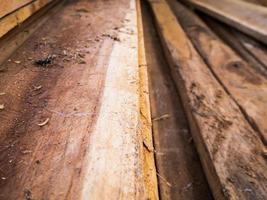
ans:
x=241 y=69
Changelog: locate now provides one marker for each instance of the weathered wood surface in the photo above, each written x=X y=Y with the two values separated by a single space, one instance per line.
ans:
x=180 y=175
x=231 y=152
x=258 y=2
x=8 y=6
x=249 y=18
x=16 y=18
x=116 y=162
x=258 y=50
x=91 y=148
x=235 y=40
x=247 y=87
x=15 y=39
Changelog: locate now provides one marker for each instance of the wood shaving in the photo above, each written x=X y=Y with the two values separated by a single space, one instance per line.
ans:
x=37 y=87
x=44 y=122
x=161 y=117
x=164 y=180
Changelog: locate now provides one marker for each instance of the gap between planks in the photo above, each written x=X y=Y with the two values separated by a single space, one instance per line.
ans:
x=247 y=17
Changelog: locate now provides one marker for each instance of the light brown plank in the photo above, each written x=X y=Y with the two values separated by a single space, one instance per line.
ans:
x=230 y=150
x=15 y=19
x=115 y=167
x=248 y=18
x=8 y=6
x=247 y=87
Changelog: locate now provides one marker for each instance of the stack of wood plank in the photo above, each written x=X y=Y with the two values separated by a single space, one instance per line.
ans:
x=127 y=90
x=221 y=76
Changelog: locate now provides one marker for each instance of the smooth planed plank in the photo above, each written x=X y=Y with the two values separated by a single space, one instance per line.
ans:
x=230 y=150
x=248 y=18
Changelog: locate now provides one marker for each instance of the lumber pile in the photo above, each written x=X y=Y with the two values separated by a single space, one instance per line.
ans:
x=223 y=93
x=155 y=99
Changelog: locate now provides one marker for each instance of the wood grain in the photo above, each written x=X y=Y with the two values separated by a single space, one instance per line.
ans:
x=258 y=50
x=93 y=108
x=254 y=55
x=17 y=37
x=180 y=175
x=147 y=147
x=115 y=166
x=230 y=150
x=16 y=18
x=258 y=2
x=8 y=6
x=248 y=18
x=247 y=87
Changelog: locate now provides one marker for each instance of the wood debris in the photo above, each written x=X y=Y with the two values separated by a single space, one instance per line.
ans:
x=44 y=122
x=37 y=87
x=165 y=116
x=17 y=61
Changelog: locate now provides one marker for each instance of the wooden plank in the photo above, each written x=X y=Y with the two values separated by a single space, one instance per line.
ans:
x=15 y=39
x=93 y=135
x=258 y=50
x=147 y=147
x=115 y=166
x=248 y=18
x=180 y=175
x=233 y=38
x=15 y=19
x=8 y=6
x=230 y=150
x=258 y=2
x=247 y=87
